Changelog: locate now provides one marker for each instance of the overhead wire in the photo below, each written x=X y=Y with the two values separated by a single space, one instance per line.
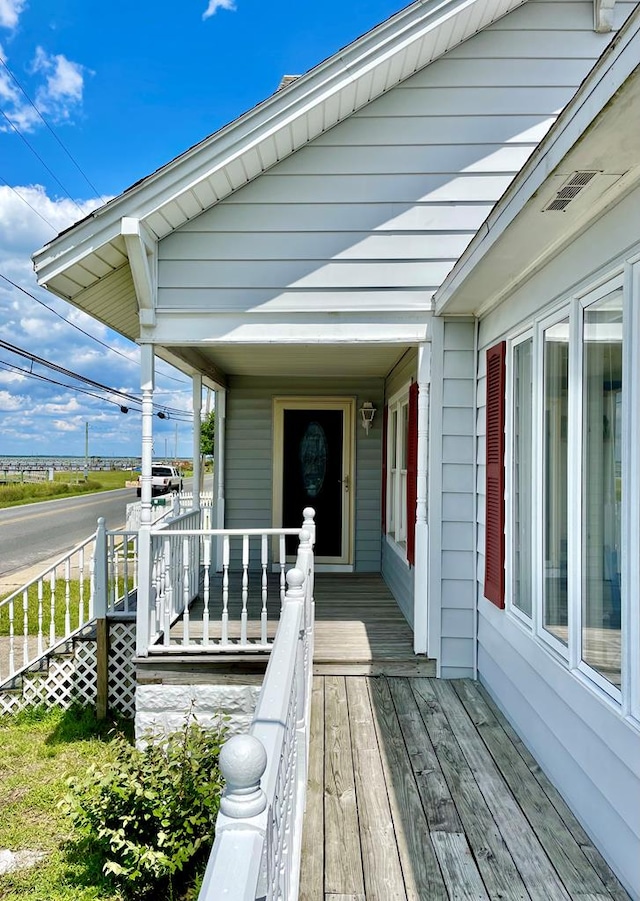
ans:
x=56 y=367
x=3 y=62
x=79 y=328
x=38 y=157
x=24 y=200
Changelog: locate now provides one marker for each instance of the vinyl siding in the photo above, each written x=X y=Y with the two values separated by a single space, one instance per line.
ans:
x=583 y=742
x=451 y=496
x=379 y=208
x=249 y=450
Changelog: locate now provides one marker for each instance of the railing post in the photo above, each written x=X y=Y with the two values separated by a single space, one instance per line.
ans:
x=243 y=761
x=101 y=588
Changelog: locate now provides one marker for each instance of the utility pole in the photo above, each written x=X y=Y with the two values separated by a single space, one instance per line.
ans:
x=86 y=451
x=175 y=458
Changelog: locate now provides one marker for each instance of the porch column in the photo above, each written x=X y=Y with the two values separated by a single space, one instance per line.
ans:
x=197 y=421
x=421 y=585
x=147 y=384
x=218 y=464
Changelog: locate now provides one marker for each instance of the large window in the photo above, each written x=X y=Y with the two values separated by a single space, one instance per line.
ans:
x=602 y=485
x=522 y=470
x=568 y=422
x=397 y=455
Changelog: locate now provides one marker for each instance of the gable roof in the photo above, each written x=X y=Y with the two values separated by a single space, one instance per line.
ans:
x=90 y=260
x=597 y=132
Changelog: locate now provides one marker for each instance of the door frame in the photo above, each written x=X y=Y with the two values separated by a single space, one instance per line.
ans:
x=347 y=405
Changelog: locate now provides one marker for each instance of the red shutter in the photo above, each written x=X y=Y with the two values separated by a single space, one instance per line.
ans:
x=494 y=526
x=385 y=421
x=412 y=472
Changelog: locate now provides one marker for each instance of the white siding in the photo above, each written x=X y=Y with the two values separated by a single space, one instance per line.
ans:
x=583 y=742
x=383 y=204
x=451 y=497
x=249 y=454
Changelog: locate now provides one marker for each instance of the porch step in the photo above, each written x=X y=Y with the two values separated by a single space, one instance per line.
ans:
x=418 y=666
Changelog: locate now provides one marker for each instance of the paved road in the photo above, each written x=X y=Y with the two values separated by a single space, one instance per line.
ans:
x=37 y=532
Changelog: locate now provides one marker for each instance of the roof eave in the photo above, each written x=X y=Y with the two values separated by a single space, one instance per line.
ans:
x=240 y=136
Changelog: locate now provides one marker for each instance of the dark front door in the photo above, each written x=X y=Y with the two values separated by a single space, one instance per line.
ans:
x=313 y=475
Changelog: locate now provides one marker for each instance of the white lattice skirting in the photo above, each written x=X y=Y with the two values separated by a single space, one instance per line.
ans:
x=69 y=677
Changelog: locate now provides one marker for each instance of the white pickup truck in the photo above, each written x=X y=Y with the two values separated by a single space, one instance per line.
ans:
x=164 y=479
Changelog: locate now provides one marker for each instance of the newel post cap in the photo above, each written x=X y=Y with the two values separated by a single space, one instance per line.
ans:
x=243 y=761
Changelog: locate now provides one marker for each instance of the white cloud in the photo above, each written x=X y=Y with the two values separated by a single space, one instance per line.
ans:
x=57 y=96
x=10 y=12
x=64 y=83
x=23 y=230
x=215 y=5
x=65 y=425
x=10 y=401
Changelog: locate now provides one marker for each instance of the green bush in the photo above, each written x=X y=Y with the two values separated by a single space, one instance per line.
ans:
x=150 y=817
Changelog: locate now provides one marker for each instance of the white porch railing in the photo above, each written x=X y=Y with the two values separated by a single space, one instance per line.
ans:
x=235 y=608
x=256 y=853
x=96 y=577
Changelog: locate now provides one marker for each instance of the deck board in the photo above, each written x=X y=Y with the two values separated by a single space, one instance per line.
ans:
x=444 y=802
x=359 y=629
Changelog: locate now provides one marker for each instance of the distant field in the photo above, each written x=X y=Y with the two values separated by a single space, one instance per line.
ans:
x=65 y=484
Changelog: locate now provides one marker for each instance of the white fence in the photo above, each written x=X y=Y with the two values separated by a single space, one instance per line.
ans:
x=96 y=577
x=256 y=853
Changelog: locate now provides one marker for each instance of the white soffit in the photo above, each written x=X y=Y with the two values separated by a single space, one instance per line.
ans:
x=596 y=132
x=229 y=159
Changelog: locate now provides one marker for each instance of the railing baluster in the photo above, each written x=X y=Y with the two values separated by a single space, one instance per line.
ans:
x=186 y=585
x=125 y=573
x=40 y=617
x=81 y=586
x=168 y=591
x=67 y=596
x=25 y=627
x=92 y=582
x=224 y=639
x=245 y=589
x=263 y=615
x=52 y=608
x=283 y=581
x=206 y=589
x=12 y=666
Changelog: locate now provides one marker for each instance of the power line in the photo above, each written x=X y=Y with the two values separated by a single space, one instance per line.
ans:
x=11 y=367
x=78 y=328
x=24 y=200
x=37 y=155
x=56 y=367
x=3 y=62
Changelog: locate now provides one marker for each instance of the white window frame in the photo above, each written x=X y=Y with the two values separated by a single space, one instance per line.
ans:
x=510 y=413
x=396 y=512
x=627 y=698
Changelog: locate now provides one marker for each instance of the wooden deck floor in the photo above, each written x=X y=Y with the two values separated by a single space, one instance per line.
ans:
x=419 y=789
x=359 y=629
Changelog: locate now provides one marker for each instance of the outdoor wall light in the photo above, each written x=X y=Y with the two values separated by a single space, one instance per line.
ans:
x=367 y=411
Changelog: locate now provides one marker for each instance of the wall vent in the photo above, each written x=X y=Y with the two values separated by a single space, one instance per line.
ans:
x=570 y=190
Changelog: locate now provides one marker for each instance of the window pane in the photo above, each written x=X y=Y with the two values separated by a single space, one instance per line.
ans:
x=393 y=437
x=602 y=485
x=405 y=434
x=522 y=475
x=556 y=395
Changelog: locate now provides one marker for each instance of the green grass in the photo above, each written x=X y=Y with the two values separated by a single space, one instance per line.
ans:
x=65 y=484
x=59 y=608
x=39 y=750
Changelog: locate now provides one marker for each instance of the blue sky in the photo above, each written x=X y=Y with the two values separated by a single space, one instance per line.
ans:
x=125 y=87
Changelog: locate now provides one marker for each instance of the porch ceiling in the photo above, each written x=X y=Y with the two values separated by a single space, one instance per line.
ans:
x=294 y=361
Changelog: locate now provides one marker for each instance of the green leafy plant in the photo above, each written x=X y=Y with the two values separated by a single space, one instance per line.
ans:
x=150 y=817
